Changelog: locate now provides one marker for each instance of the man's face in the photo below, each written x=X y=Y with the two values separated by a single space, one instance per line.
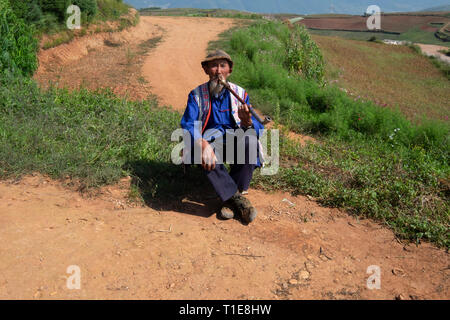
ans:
x=218 y=68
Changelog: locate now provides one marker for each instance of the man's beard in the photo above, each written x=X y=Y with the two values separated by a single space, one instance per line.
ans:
x=215 y=87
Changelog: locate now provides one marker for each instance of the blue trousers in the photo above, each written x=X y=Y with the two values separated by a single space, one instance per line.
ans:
x=227 y=183
x=238 y=179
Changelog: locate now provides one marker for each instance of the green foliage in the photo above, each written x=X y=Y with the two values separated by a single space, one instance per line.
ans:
x=54 y=7
x=17 y=44
x=441 y=65
x=28 y=10
x=58 y=8
x=111 y=9
x=303 y=55
x=50 y=15
x=90 y=136
x=370 y=160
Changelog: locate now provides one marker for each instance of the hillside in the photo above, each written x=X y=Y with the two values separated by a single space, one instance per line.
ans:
x=417 y=27
x=426 y=86
x=438 y=8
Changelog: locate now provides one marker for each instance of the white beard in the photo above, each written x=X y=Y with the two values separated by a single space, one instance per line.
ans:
x=215 y=87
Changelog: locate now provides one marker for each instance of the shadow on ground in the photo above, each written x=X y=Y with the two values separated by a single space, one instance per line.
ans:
x=168 y=187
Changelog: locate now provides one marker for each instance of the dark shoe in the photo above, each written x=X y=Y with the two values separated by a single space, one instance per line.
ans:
x=244 y=208
x=227 y=211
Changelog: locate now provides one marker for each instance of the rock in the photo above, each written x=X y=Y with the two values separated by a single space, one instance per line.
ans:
x=288 y=202
x=323 y=258
x=398 y=272
x=309 y=265
x=400 y=297
x=293 y=281
x=304 y=275
x=285 y=286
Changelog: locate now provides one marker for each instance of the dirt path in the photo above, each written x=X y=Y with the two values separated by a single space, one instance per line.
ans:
x=433 y=50
x=173 y=69
x=295 y=249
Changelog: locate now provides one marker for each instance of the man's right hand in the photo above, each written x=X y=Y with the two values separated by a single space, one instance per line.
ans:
x=208 y=157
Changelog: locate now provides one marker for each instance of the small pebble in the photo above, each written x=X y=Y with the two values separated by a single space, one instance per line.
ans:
x=304 y=275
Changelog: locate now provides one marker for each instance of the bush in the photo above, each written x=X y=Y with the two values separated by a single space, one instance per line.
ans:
x=58 y=8
x=321 y=101
x=17 y=44
x=303 y=55
x=111 y=8
x=28 y=10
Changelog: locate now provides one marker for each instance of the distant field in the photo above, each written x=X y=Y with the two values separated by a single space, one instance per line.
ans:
x=411 y=27
x=392 y=23
x=199 y=13
x=413 y=35
x=389 y=75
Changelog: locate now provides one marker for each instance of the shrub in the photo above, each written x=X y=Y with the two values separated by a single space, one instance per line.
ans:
x=303 y=55
x=58 y=8
x=28 y=10
x=111 y=8
x=17 y=44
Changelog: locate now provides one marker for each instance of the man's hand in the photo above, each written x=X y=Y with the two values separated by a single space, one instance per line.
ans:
x=208 y=157
x=245 y=115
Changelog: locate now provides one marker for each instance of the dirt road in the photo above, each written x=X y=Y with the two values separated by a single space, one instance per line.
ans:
x=173 y=69
x=295 y=249
x=433 y=50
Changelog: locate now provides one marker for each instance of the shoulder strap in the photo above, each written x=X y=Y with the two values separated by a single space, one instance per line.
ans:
x=201 y=94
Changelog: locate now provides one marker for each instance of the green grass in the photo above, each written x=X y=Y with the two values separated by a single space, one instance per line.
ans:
x=17 y=43
x=369 y=75
x=50 y=17
x=192 y=12
x=369 y=160
x=111 y=9
x=93 y=137
x=63 y=37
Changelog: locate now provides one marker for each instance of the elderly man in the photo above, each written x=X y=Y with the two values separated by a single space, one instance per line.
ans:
x=212 y=117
